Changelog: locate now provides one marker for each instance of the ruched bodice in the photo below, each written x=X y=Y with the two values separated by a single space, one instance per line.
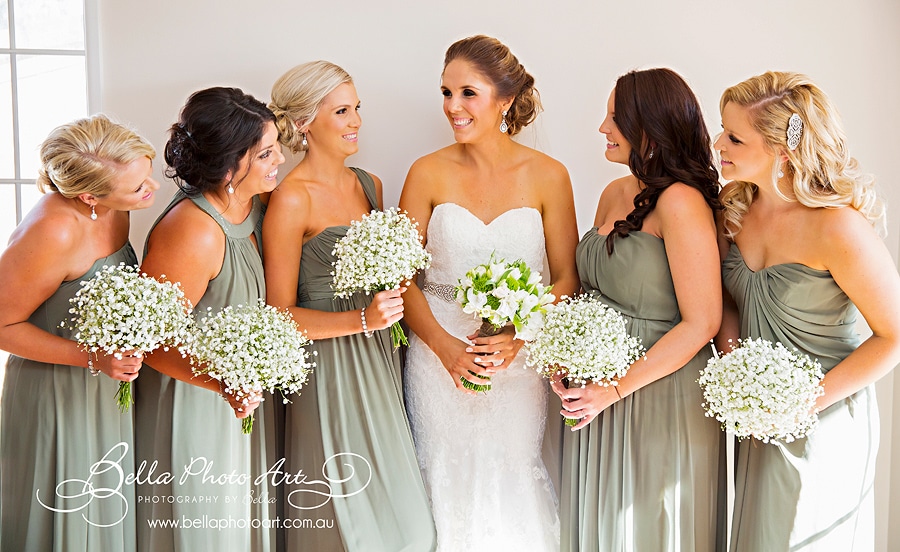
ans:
x=799 y=306
x=647 y=292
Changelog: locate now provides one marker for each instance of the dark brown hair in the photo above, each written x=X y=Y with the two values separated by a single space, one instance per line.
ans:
x=656 y=112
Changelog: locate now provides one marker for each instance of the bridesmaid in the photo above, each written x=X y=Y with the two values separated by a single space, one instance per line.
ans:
x=801 y=255
x=56 y=419
x=352 y=412
x=643 y=474
x=223 y=153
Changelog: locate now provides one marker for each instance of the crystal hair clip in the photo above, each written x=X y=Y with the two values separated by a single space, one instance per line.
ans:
x=794 y=131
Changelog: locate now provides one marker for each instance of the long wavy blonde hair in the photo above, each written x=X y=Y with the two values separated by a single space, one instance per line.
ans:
x=821 y=170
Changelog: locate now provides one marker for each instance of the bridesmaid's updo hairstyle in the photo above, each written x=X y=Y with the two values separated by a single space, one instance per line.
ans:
x=297 y=95
x=821 y=170
x=215 y=130
x=493 y=60
x=659 y=116
x=85 y=156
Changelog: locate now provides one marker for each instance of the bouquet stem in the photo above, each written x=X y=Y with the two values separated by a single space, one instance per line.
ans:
x=570 y=422
x=247 y=425
x=123 y=396
x=486 y=330
x=398 y=337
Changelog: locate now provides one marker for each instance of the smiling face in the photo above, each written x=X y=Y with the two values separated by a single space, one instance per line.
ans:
x=617 y=147
x=133 y=188
x=260 y=164
x=335 y=127
x=742 y=149
x=470 y=103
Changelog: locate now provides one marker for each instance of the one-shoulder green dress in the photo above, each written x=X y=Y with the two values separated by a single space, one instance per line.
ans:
x=348 y=433
x=643 y=475
x=813 y=493
x=56 y=423
x=214 y=501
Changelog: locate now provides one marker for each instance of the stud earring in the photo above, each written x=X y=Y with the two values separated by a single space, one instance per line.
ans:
x=93 y=213
x=504 y=127
x=303 y=142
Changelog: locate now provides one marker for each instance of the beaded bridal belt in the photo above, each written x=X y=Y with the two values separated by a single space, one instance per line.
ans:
x=446 y=292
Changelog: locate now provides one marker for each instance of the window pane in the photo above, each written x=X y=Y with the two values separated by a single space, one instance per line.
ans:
x=7 y=212
x=49 y=24
x=52 y=92
x=30 y=196
x=4 y=24
x=7 y=169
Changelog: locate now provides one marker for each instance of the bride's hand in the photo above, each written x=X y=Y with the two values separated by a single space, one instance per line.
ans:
x=460 y=363
x=584 y=403
x=497 y=351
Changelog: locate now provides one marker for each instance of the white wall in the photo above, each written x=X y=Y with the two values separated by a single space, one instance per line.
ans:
x=154 y=54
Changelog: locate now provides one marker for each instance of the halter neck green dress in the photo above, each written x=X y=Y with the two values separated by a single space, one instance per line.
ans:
x=813 y=493
x=348 y=433
x=192 y=433
x=644 y=475
x=56 y=422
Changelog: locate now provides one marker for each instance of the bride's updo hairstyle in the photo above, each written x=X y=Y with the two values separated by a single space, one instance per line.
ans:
x=660 y=117
x=493 y=60
x=297 y=95
x=820 y=168
x=215 y=130
x=85 y=156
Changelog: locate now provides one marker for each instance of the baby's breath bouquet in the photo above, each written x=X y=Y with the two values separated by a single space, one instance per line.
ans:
x=249 y=348
x=763 y=390
x=121 y=309
x=379 y=252
x=583 y=341
x=499 y=292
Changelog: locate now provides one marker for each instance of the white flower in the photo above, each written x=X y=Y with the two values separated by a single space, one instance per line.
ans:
x=251 y=348
x=378 y=252
x=585 y=341
x=121 y=309
x=501 y=292
x=763 y=390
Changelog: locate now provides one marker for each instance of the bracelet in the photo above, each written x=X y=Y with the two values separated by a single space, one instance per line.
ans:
x=362 y=316
x=94 y=371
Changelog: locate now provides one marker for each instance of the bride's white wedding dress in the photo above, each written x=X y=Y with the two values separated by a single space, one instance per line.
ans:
x=480 y=455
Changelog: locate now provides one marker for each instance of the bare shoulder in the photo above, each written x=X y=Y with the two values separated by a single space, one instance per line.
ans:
x=839 y=230
x=291 y=194
x=186 y=227
x=679 y=195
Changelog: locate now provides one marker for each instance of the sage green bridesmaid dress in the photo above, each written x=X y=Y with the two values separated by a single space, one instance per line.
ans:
x=816 y=493
x=645 y=474
x=56 y=422
x=214 y=501
x=348 y=433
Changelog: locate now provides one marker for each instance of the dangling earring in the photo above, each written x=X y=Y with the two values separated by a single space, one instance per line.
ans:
x=93 y=213
x=303 y=142
x=504 y=127
x=780 y=173
x=229 y=189
x=651 y=155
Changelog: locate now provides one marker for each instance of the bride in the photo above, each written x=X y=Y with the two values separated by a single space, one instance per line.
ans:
x=480 y=453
